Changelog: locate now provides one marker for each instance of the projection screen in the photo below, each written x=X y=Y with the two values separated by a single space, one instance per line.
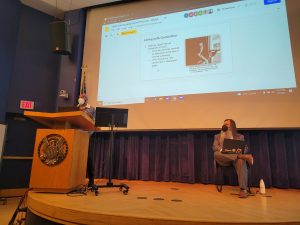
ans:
x=191 y=64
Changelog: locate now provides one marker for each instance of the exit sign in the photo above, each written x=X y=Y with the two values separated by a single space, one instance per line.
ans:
x=26 y=104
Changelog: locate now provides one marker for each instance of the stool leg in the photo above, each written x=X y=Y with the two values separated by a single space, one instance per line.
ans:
x=219 y=179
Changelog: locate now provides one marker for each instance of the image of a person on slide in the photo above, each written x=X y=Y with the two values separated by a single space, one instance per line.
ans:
x=202 y=59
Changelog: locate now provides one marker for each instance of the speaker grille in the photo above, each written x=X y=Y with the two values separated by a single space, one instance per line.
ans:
x=60 y=38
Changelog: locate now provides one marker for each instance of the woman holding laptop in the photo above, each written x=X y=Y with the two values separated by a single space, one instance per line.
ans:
x=238 y=158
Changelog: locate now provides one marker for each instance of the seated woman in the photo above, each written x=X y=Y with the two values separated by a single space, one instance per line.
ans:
x=238 y=160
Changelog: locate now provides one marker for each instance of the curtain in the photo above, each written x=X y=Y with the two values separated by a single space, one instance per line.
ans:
x=187 y=156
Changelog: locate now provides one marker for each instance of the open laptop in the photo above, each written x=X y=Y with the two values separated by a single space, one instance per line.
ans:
x=231 y=146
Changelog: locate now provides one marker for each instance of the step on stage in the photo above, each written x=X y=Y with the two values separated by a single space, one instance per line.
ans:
x=167 y=203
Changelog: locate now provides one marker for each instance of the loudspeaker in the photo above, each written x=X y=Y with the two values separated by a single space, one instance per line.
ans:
x=60 y=38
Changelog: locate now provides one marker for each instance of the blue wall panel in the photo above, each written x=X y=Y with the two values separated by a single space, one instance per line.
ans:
x=70 y=69
x=9 y=24
x=35 y=70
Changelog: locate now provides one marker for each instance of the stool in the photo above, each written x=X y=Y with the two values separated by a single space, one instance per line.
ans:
x=221 y=171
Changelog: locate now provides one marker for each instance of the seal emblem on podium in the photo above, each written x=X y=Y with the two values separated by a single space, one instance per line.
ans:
x=53 y=149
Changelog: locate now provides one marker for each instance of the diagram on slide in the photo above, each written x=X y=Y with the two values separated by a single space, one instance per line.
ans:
x=203 y=50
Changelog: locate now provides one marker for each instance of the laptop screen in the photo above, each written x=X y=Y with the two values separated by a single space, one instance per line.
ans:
x=230 y=146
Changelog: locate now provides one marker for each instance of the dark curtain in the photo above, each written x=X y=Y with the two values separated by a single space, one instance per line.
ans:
x=187 y=156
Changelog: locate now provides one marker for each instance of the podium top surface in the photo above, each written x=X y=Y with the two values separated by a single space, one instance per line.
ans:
x=63 y=120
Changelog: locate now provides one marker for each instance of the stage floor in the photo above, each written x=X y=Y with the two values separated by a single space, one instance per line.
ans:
x=167 y=203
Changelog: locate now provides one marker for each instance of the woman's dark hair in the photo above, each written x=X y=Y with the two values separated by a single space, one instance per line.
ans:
x=233 y=126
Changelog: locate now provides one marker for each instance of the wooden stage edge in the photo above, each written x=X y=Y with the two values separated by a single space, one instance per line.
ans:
x=168 y=203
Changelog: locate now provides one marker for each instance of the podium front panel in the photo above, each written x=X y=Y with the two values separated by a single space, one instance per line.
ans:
x=60 y=159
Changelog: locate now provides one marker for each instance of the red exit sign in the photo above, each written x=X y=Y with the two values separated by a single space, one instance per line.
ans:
x=26 y=104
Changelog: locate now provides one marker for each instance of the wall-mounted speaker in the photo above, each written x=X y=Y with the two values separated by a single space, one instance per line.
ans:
x=60 y=38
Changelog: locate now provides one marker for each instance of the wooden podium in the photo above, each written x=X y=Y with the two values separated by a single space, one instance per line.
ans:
x=60 y=153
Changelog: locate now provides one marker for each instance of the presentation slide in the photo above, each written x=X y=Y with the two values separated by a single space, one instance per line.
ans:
x=190 y=66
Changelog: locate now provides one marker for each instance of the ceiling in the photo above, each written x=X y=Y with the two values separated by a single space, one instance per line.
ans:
x=58 y=7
